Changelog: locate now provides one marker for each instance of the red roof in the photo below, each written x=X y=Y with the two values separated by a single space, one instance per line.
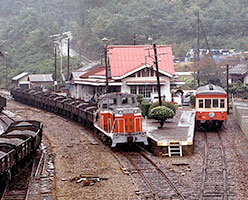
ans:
x=127 y=58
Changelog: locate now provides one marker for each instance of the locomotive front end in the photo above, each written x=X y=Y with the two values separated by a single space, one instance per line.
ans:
x=120 y=119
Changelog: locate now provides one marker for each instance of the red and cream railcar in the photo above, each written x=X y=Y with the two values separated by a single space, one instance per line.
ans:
x=211 y=106
x=119 y=118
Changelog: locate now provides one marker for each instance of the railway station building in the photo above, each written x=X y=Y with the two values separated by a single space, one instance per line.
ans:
x=131 y=69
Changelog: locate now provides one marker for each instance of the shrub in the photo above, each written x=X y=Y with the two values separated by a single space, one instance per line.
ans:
x=161 y=113
x=192 y=100
x=144 y=106
x=139 y=98
x=164 y=103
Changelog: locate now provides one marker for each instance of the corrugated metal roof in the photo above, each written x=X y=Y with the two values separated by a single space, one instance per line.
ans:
x=124 y=59
x=40 y=78
x=239 y=69
x=19 y=76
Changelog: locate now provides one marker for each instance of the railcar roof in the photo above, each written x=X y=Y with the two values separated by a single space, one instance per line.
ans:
x=13 y=141
x=24 y=132
x=2 y=154
x=114 y=95
x=210 y=89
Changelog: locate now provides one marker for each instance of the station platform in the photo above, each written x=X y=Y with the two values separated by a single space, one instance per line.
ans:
x=176 y=136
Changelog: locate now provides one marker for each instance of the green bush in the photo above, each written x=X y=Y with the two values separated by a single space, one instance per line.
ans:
x=164 y=103
x=245 y=95
x=161 y=113
x=144 y=106
x=140 y=98
x=192 y=100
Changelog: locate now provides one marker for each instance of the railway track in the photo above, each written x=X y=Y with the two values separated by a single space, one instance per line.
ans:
x=214 y=171
x=17 y=188
x=153 y=182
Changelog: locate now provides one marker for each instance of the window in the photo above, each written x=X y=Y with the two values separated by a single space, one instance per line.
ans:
x=124 y=100
x=207 y=103
x=138 y=74
x=133 y=89
x=148 y=91
x=200 y=103
x=155 y=89
x=222 y=103
x=112 y=102
x=142 y=90
x=152 y=72
x=215 y=103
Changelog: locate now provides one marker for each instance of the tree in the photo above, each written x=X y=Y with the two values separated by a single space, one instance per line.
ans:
x=161 y=113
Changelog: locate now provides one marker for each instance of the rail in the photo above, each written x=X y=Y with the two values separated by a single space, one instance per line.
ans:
x=211 y=185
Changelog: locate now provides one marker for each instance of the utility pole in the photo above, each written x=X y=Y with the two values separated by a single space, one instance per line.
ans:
x=55 y=67
x=6 y=59
x=106 y=68
x=105 y=41
x=227 y=85
x=198 y=48
x=68 y=61
x=205 y=37
x=134 y=39
x=157 y=73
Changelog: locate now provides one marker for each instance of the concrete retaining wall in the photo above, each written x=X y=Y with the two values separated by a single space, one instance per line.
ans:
x=240 y=111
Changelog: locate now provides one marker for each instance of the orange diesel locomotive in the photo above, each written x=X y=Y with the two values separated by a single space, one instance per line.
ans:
x=211 y=106
x=119 y=118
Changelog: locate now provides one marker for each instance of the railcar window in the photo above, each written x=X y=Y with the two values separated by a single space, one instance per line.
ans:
x=222 y=103
x=200 y=103
x=207 y=103
x=215 y=103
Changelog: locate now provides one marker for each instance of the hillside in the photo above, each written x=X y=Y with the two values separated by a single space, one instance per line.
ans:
x=26 y=26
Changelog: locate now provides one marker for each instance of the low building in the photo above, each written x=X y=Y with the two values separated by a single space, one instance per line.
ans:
x=27 y=81
x=239 y=73
x=40 y=80
x=131 y=70
x=21 y=78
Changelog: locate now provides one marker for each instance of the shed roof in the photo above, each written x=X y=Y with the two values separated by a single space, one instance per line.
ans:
x=40 y=78
x=239 y=69
x=19 y=76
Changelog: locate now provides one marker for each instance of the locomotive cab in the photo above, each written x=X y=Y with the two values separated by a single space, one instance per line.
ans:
x=119 y=118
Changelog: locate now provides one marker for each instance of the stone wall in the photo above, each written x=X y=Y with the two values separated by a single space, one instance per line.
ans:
x=240 y=111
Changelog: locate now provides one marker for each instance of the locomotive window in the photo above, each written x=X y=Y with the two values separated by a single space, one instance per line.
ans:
x=200 y=103
x=215 y=103
x=124 y=100
x=112 y=102
x=207 y=103
x=222 y=103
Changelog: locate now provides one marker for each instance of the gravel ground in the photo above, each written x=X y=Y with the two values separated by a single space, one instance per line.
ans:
x=236 y=150
x=75 y=155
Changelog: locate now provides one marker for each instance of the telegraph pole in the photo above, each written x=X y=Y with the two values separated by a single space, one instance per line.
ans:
x=198 y=48
x=106 y=68
x=68 y=61
x=6 y=59
x=157 y=73
x=55 y=68
x=134 y=39
x=227 y=85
